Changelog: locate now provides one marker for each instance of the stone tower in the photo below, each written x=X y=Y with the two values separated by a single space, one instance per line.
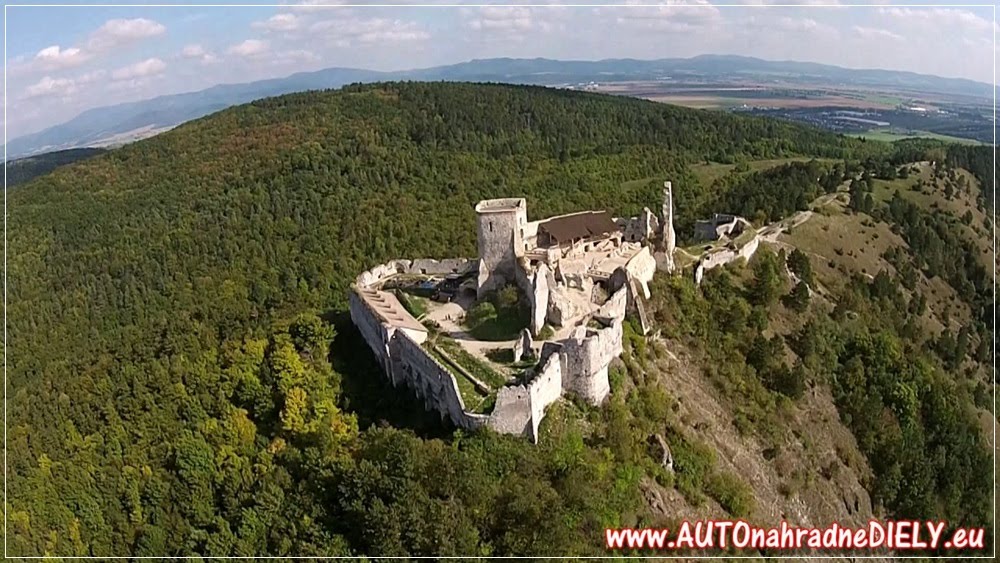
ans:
x=500 y=229
x=669 y=237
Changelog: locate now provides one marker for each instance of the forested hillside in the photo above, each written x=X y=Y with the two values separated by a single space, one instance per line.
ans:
x=26 y=169
x=181 y=378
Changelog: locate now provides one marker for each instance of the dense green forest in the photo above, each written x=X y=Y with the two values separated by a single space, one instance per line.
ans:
x=183 y=379
x=26 y=169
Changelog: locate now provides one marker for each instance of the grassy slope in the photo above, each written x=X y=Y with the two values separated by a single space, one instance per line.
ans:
x=842 y=242
x=890 y=136
x=708 y=173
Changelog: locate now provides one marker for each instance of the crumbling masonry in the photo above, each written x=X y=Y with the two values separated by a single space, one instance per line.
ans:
x=560 y=264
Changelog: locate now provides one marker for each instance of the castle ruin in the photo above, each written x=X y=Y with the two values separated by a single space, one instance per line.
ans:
x=579 y=274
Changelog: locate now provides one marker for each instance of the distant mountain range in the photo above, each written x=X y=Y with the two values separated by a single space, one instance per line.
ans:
x=129 y=121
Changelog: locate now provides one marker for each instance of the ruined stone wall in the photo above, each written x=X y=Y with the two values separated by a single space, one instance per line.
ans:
x=534 y=284
x=512 y=411
x=375 y=333
x=520 y=409
x=614 y=308
x=431 y=381
x=585 y=357
x=544 y=390
x=378 y=273
x=441 y=267
x=641 y=268
x=726 y=256
x=636 y=229
x=424 y=266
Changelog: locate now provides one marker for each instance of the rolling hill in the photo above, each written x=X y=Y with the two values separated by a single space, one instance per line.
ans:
x=182 y=378
x=115 y=124
x=26 y=169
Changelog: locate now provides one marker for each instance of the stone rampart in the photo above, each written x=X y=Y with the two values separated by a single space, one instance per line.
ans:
x=641 y=267
x=378 y=273
x=422 y=266
x=639 y=229
x=431 y=381
x=543 y=390
x=614 y=308
x=726 y=256
x=441 y=267
x=405 y=361
x=585 y=357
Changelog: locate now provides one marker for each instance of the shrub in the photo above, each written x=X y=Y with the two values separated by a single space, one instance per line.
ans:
x=480 y=313
x=730 y=492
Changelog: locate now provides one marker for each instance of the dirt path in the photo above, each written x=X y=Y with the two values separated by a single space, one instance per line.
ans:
x=448 y=316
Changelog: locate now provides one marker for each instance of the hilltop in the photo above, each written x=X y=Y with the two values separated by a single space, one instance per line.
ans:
x=184 y=380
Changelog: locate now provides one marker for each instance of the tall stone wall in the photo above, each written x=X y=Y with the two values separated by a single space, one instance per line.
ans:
x=520 y=408
x=423 y=266
x=405 y=362
x=512 y=411
x=375 y=333
x=639 y=229
x=585 y=357
x=641 y=268
x=667 y=230
x=726 y=256
x=543 y=390
x=431 y=381
x=534 y=285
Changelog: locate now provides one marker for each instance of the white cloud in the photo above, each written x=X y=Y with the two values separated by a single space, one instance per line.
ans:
x=198 y=52
x=319 y=6
x=781 y=26
x=673 y=15
x=513 y=23
x=142 y=69
x=873 y=33
x=786 y=23
x=343 y=32
x=938 y=17
x=49 y=86
x=113 y=33
x=814 y=3
x=502 y=19
x=249 y=48
x=119 y=32
x=279 y=22
x=193 y=51
x=54 y=57
x=297 y=57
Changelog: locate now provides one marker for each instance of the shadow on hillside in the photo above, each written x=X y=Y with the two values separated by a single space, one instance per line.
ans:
x=368 y=393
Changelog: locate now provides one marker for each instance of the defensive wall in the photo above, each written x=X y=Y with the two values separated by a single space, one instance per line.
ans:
x=725 y=256
x=641 y=228
x=424 y=266
x=397 y=340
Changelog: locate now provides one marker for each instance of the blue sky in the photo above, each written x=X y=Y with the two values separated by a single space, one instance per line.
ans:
x=64 y=60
